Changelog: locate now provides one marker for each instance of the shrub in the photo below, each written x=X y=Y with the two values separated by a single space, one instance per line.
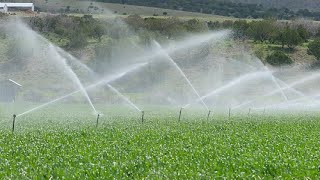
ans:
x=77 y=40
x=279 y=58
x=314 y=49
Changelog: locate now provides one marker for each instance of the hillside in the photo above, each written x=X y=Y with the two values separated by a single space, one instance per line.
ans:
x=240 y=9
x=252 y=9
x=291 y=4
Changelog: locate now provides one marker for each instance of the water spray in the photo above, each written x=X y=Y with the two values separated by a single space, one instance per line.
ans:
x=208 y=115
x=101 y=82
x=97 y=120
x=166 y=54
x=180 y=112
x=142 y=116
x=13 y=122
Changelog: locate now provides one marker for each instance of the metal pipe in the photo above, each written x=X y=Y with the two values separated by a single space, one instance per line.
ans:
x=13 y=122
x=180 y=114
x=97 y=120
x=142 y=116
x=208 y=115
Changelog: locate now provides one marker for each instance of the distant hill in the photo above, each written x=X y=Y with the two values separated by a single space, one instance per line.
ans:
x=291 y=4
x=281 y=9
x=252 y=9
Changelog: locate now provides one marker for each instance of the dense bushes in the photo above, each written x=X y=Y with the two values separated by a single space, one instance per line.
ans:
x=279 y=58
x=290 y=34
x=314 y=49
x=77 y=31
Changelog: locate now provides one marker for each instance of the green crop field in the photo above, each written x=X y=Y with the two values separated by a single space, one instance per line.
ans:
x=61 y=142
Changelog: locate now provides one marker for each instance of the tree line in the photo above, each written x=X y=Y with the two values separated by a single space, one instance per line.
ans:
x=224 y=8
x=76 y=32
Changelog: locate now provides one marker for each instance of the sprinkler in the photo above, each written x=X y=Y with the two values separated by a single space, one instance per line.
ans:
x=98 y=120
x=180 y=114
x=229 y=113
x=13 y=122
x=142 y=116
x=208 y=115
x=249 y=111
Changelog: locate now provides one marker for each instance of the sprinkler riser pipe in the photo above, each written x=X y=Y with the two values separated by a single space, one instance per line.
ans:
x=13 y=122
x=180 y=112
x=208 y=115
x=142 y=116
x=97 y=120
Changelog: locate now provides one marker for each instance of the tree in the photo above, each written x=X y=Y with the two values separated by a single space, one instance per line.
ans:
x=280 y=37
x=260 y=30
x=240 y=28
x=314 y=48
x=292 y=38
x=303 y=33
x=77 y=40
x=279 y=58
x=99 y=31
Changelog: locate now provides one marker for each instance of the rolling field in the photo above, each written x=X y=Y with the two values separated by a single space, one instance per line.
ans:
x=60 y=144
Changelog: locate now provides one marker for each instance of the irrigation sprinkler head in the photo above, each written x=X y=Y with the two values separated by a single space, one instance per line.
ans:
x=14 y=116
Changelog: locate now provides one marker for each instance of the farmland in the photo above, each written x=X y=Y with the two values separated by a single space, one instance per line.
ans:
x=68 y=145
x=119 y=96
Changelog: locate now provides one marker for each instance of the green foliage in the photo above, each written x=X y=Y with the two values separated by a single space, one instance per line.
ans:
x=68 y=146
x=260 y=30
x=78 y=40
x=278 y=58
x=292 y=38
x=314 y=48
x=303 y=33
x=226 y=8
x=98 y=31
